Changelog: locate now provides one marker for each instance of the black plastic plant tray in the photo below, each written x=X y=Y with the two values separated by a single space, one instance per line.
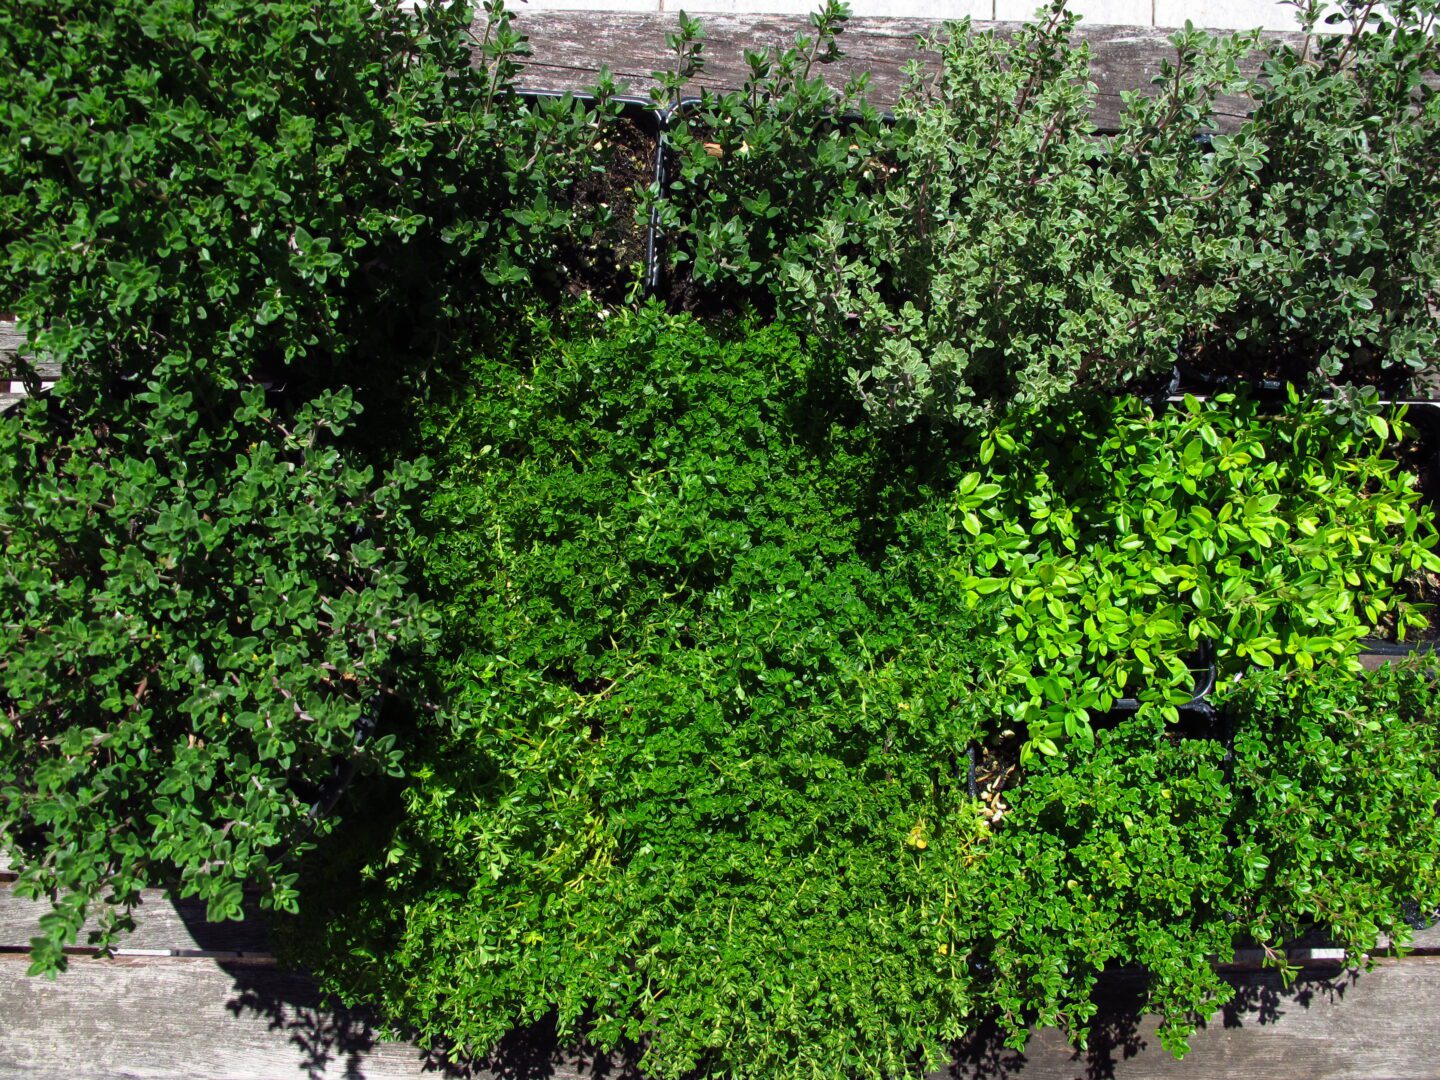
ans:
x=1204 y=684
x=1198 y=720
x=1381 y=647
x=643 y=114
x=1185 y=379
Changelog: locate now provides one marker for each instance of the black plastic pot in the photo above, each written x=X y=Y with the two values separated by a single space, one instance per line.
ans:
x=344 y=770
x=643 y=114
x=342 y=773
x=1396 y=650
x=1203 y=687
x=1186 y=379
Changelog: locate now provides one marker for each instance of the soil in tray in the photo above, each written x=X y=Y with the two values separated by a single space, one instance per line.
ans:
x=1211 y=364
x=1423 y=589
x=997 y=768
x=610 y=266
x=998 y=771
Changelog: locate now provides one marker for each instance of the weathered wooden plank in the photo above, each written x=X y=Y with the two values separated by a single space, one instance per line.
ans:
x=10 y=341
x=191 y=1018
x=1385 y=1023
x=197 y=1018
x=162 y=924
x=569 y=47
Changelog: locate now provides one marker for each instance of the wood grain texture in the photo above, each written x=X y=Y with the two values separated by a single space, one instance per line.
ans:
x=184 y=1018
x=1381 y=1024
x=161 y=925
x=10 y=341
x=569 y=47
x=197 y=1018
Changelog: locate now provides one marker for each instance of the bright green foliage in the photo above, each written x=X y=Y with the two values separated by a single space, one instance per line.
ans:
x=1337 y=258
x=1120 y=540
x=1337 y=777
x=239 y=183
x=710 y=699
x=1155 y=850
x=197 y=616
x=711 y=689
x=757 y=169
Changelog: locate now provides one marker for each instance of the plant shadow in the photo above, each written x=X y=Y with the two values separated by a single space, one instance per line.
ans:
x=1123 y=1040
x=331 y=1040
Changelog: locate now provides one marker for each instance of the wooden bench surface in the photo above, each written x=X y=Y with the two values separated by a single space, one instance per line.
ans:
x=570 y=47
x=186 y=998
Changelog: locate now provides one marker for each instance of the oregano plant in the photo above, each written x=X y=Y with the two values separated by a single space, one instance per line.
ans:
x=1335 y=235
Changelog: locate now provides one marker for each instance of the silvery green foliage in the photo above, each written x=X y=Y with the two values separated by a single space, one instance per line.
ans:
x=1012 y=255
x=993 y=252
x=1336 y=236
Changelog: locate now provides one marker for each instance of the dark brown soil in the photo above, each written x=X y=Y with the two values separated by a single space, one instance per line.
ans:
x=681 y=293
x=1422 y=589
x=997 y=768
x=1208 y=364
x=609 y=268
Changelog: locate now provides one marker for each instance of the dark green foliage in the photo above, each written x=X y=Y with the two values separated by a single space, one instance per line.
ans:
x=192 y=196
x=239 y=183
x=1114 y=855
x=705 y=783
x=200 y=607
x=756 y=169
x=1336 y=780
x=710 y=694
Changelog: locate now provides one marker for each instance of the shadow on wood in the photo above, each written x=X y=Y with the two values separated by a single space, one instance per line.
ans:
x=1266 y=1029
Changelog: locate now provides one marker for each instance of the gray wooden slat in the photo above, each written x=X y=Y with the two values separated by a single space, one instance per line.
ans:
x=569 y=47
x=196 y=1018
x=1380 y=1024
x=161 y=924
x=184 y=1018
x=10 y=341
x=1424 y=941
